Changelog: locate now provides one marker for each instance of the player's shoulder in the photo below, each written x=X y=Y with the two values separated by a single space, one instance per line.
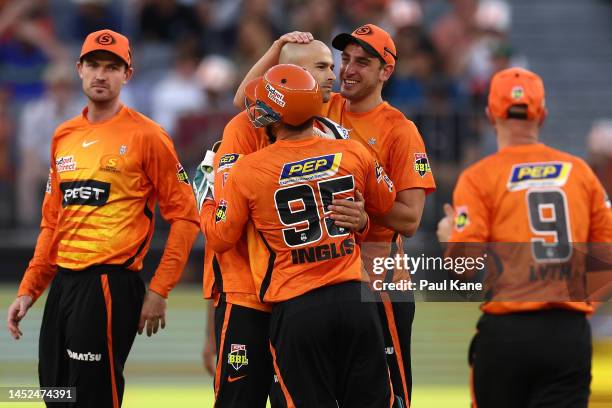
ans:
x=396 y=122
x=142 y=121
x=353 y=147
x=69 y=125
x=486 y=166
x=335 y=98
x=240 y=120
x=577 y=162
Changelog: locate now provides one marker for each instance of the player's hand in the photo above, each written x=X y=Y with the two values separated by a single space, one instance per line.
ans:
x=446 y=224
x=350 y=214
x=17 y=311
x=209 y=355
x=153 y=313
x=299 y=37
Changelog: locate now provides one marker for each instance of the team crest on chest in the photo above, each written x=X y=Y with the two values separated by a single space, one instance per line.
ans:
x=123 y=150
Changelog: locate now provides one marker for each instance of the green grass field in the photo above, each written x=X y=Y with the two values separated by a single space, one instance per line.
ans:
x=166 y=370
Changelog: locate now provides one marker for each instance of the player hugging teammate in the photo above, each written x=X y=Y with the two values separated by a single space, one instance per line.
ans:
x=368 y=60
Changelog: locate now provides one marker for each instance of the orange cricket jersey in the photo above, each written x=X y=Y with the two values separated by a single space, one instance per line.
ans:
x=98 y=209
x=538 y=195
x=397 y=145
x=229 y=272
x=285 y=189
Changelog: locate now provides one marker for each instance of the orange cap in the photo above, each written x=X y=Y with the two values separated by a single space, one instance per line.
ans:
x=371 y=38
x=516 y=93
x=108 y=40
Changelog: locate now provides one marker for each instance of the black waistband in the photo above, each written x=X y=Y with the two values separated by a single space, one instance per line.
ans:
x=95 y=270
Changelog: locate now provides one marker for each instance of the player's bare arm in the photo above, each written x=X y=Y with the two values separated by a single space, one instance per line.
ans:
x=17 y=311
x=405 y=215
x=269 y=59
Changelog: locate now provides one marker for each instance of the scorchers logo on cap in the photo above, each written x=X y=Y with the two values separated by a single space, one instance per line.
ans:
x=105 y=39
x=363 y=30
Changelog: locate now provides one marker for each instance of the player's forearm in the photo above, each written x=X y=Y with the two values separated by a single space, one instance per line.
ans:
x=178 y=246
x=267 y=61
x=219 y=237
x=401 y=218
x=40 y=272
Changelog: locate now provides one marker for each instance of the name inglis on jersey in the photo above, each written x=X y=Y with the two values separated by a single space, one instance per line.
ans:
x=322 y=252
x=85 y=192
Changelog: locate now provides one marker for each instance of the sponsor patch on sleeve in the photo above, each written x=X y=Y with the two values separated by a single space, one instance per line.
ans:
x=227 y=161
x=221 y=211
x=379 y=171
x=48 y=187
x=461 y=218
x=547 y=174
x=65 y=163
x=275 y=96
x=313 y=168
x=181 y=174
x=421 y=164
x=382 y=176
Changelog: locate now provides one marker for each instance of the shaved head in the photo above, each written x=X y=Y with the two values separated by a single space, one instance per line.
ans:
x=316 y=58
x=293 y=53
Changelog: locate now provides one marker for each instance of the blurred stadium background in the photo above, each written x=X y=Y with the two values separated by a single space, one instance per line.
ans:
x=189 y=55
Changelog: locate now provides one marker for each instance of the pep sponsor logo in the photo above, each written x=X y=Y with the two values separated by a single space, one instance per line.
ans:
x=526 y=175
x=313 y=168
x=227 y=161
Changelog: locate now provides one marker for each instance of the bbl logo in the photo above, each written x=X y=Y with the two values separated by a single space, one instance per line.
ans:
x=237 y=357
x=181 y=174
x=221 y=211
x=421 y=164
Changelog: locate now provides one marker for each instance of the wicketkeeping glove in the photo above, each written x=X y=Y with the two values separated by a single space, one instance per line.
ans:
x=331 y=129
x=204 y=178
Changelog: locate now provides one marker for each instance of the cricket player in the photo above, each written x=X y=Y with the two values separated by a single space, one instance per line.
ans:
x=240 y=318
x=326 y=342
x=533 y=346
x=109 y=167
x=368 y=61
